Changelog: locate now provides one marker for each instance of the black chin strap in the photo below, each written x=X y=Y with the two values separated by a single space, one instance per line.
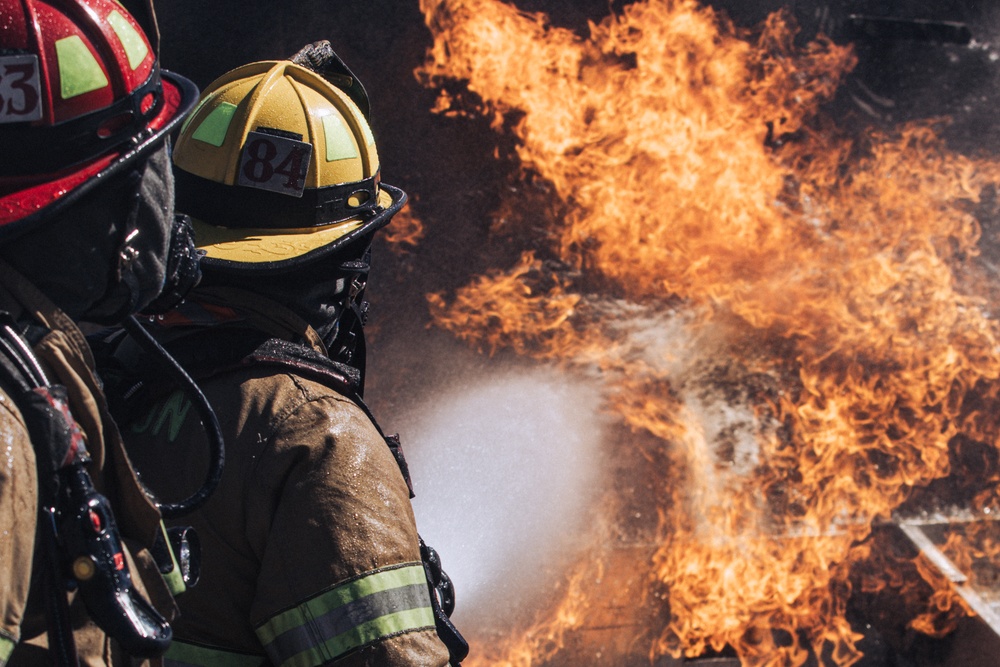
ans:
x=128 y=253
x=348 y=342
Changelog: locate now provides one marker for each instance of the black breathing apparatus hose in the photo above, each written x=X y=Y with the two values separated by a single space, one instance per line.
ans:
x=209 y=421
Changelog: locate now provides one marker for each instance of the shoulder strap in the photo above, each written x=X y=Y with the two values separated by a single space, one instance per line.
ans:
x=342 y=378
x=55 y=435
x=77 y=524
x=309 y=363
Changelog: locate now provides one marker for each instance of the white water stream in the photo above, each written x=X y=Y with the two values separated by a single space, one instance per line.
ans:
x=506 y=465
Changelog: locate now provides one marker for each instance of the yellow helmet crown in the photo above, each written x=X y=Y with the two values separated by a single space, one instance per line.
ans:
x=278 y=165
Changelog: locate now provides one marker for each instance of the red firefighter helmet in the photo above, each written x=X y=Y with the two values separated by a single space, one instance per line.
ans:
x=81 y=96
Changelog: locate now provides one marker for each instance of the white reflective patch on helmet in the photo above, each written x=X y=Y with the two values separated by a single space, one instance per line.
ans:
x=20 y=89
x=275 y=163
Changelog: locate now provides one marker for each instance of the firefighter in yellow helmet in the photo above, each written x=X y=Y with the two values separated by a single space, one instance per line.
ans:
x=310 y=550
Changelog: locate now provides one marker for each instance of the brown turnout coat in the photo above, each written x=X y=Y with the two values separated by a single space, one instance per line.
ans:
x=311 y=509
x=67 y=359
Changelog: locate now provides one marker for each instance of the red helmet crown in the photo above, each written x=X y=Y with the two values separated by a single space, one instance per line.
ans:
x=81 y=93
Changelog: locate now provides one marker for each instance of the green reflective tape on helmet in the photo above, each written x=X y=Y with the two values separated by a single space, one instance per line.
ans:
x=133 y=43
x=376 y=605
x=213 y=128
x=79 y=71
x=339 y=140
x=6 y=648
x=183 y=654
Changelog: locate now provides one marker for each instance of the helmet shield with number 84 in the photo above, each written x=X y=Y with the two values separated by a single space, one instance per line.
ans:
x=82 y=96
x=278 y=166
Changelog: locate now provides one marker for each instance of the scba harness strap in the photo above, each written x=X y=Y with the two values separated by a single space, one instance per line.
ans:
x=83 y=548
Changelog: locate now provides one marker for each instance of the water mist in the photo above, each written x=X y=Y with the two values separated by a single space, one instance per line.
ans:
x=507 y=467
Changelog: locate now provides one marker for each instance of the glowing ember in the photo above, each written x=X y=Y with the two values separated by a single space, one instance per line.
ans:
x=794 y=315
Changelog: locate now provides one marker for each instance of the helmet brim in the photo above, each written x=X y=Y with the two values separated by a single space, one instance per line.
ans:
x=22 y=206
x=230 y=249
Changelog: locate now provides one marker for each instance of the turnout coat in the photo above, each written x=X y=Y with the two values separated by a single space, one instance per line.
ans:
x=62 y=349
x=310 y=549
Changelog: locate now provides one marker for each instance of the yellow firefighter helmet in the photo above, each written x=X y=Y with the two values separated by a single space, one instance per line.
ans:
x=278 y=166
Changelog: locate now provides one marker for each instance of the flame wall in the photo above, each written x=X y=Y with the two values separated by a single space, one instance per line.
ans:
x=699 y=176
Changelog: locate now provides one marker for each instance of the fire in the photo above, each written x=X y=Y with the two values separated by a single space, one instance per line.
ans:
x=405 y=233
x=791 y=319
x=492 y=302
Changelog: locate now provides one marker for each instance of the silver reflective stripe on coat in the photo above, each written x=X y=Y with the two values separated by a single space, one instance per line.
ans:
x=373 y=606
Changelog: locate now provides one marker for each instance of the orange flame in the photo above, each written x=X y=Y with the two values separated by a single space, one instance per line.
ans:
x=795 y=314
x=405 y=232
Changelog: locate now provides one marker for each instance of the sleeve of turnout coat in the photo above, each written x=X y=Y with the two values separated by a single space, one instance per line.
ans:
x=341 y=579
x=18 y=509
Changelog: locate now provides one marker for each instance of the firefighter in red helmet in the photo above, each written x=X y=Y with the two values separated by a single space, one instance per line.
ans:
x=87 y=234
x=311 y=552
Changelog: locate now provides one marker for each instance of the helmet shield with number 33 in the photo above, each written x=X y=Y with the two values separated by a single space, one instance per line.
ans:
x=81 y=97
x=278 y=166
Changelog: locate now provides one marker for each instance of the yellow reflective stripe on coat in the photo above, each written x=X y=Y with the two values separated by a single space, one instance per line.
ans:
x=6 y=648
x=374 y=606
x=182 y=654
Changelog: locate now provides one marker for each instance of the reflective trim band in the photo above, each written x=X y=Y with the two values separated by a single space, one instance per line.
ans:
x=213 y=128
x=173 y=577
x=79 y=71
x=181 y=654
x=6 y=648
x=133 y=43
x=339 y=140
x=374 y=606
